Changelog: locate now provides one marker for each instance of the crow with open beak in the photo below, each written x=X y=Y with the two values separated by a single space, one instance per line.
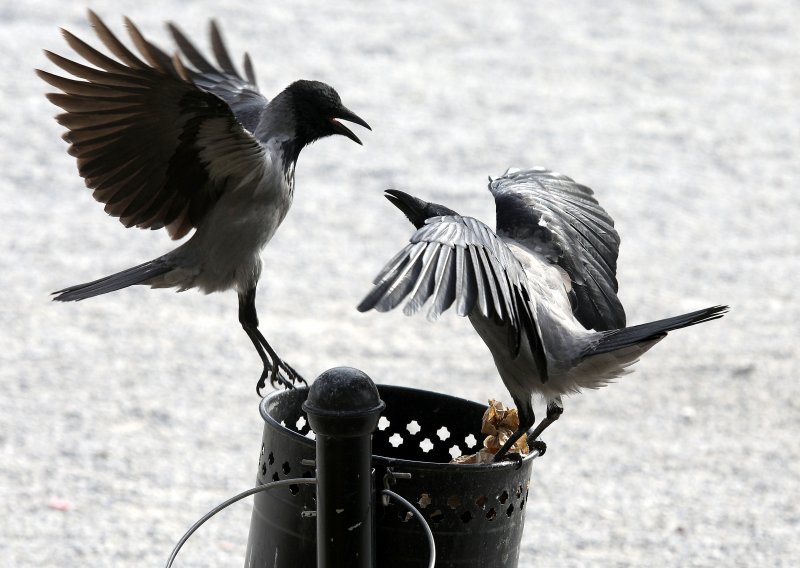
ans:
x=182 y=146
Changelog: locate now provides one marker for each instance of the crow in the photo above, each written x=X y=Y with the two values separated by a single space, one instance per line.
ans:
x=182 y=146
x=541 y=291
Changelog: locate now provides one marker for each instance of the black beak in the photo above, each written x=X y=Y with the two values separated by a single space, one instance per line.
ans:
x=412 y=207
x=339 y=128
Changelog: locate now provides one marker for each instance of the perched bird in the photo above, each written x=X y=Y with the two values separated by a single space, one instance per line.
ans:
x=166 y=145
x=541 y=292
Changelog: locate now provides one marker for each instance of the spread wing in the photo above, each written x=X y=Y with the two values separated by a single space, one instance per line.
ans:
x=561 y=220
x=458 y=260
x=241 y=93
x=155 y=143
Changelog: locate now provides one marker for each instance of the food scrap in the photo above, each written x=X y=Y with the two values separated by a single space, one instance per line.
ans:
x=499 y=423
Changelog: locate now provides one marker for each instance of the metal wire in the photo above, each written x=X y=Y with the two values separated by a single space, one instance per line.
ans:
x=422 y=521
x=232 y=500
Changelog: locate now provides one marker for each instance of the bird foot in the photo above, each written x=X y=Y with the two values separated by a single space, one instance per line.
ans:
x=509 y=456
x=538 y=446
x=535 y=446
x=280 y=373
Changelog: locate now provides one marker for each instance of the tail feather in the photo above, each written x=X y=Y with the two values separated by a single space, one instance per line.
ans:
x=652 y=331
x=136 y=275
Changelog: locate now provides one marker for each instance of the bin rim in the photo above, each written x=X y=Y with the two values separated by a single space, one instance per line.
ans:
x=386 y=460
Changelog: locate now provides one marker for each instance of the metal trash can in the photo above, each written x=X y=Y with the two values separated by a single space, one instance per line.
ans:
x=476 y=512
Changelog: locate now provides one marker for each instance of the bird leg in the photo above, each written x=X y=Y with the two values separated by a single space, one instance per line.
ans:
x=526 y=422
x=275 y=368
x=554 y=410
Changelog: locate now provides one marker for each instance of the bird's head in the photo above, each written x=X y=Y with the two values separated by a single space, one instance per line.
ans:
x=415 y=209
x=318 y=110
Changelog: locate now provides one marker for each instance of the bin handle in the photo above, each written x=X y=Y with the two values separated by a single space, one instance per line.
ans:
x=422 y=521
x=231 y=501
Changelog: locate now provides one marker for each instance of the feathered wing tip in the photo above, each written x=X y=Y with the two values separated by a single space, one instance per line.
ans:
x=249 y=71
x=135 y=275
x=106 y=115
x=189 y=51
x=220 y=51
x=139 y=121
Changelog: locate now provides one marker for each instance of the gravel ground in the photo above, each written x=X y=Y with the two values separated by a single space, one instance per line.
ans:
x=135 y=412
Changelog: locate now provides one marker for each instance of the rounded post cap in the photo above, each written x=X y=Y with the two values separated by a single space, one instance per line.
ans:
x=343 y=402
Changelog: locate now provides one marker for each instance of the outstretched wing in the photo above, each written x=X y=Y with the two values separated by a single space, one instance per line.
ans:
x=458 y=260
x=156 y=148
x=562 y=221
x=241 y=93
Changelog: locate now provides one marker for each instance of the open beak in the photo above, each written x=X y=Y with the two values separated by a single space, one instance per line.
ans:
x=345 y=114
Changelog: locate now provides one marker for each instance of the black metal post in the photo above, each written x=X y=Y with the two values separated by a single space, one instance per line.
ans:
x=343 y=408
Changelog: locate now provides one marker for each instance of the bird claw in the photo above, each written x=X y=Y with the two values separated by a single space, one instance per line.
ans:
x=511 y=457
x=534 y=445
x=279 y=373
x=292 y=376
x=538 y=446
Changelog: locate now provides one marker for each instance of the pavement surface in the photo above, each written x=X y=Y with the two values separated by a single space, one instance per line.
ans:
x=125 y=418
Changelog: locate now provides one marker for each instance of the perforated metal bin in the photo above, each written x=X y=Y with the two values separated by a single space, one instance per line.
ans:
x=476 y=512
